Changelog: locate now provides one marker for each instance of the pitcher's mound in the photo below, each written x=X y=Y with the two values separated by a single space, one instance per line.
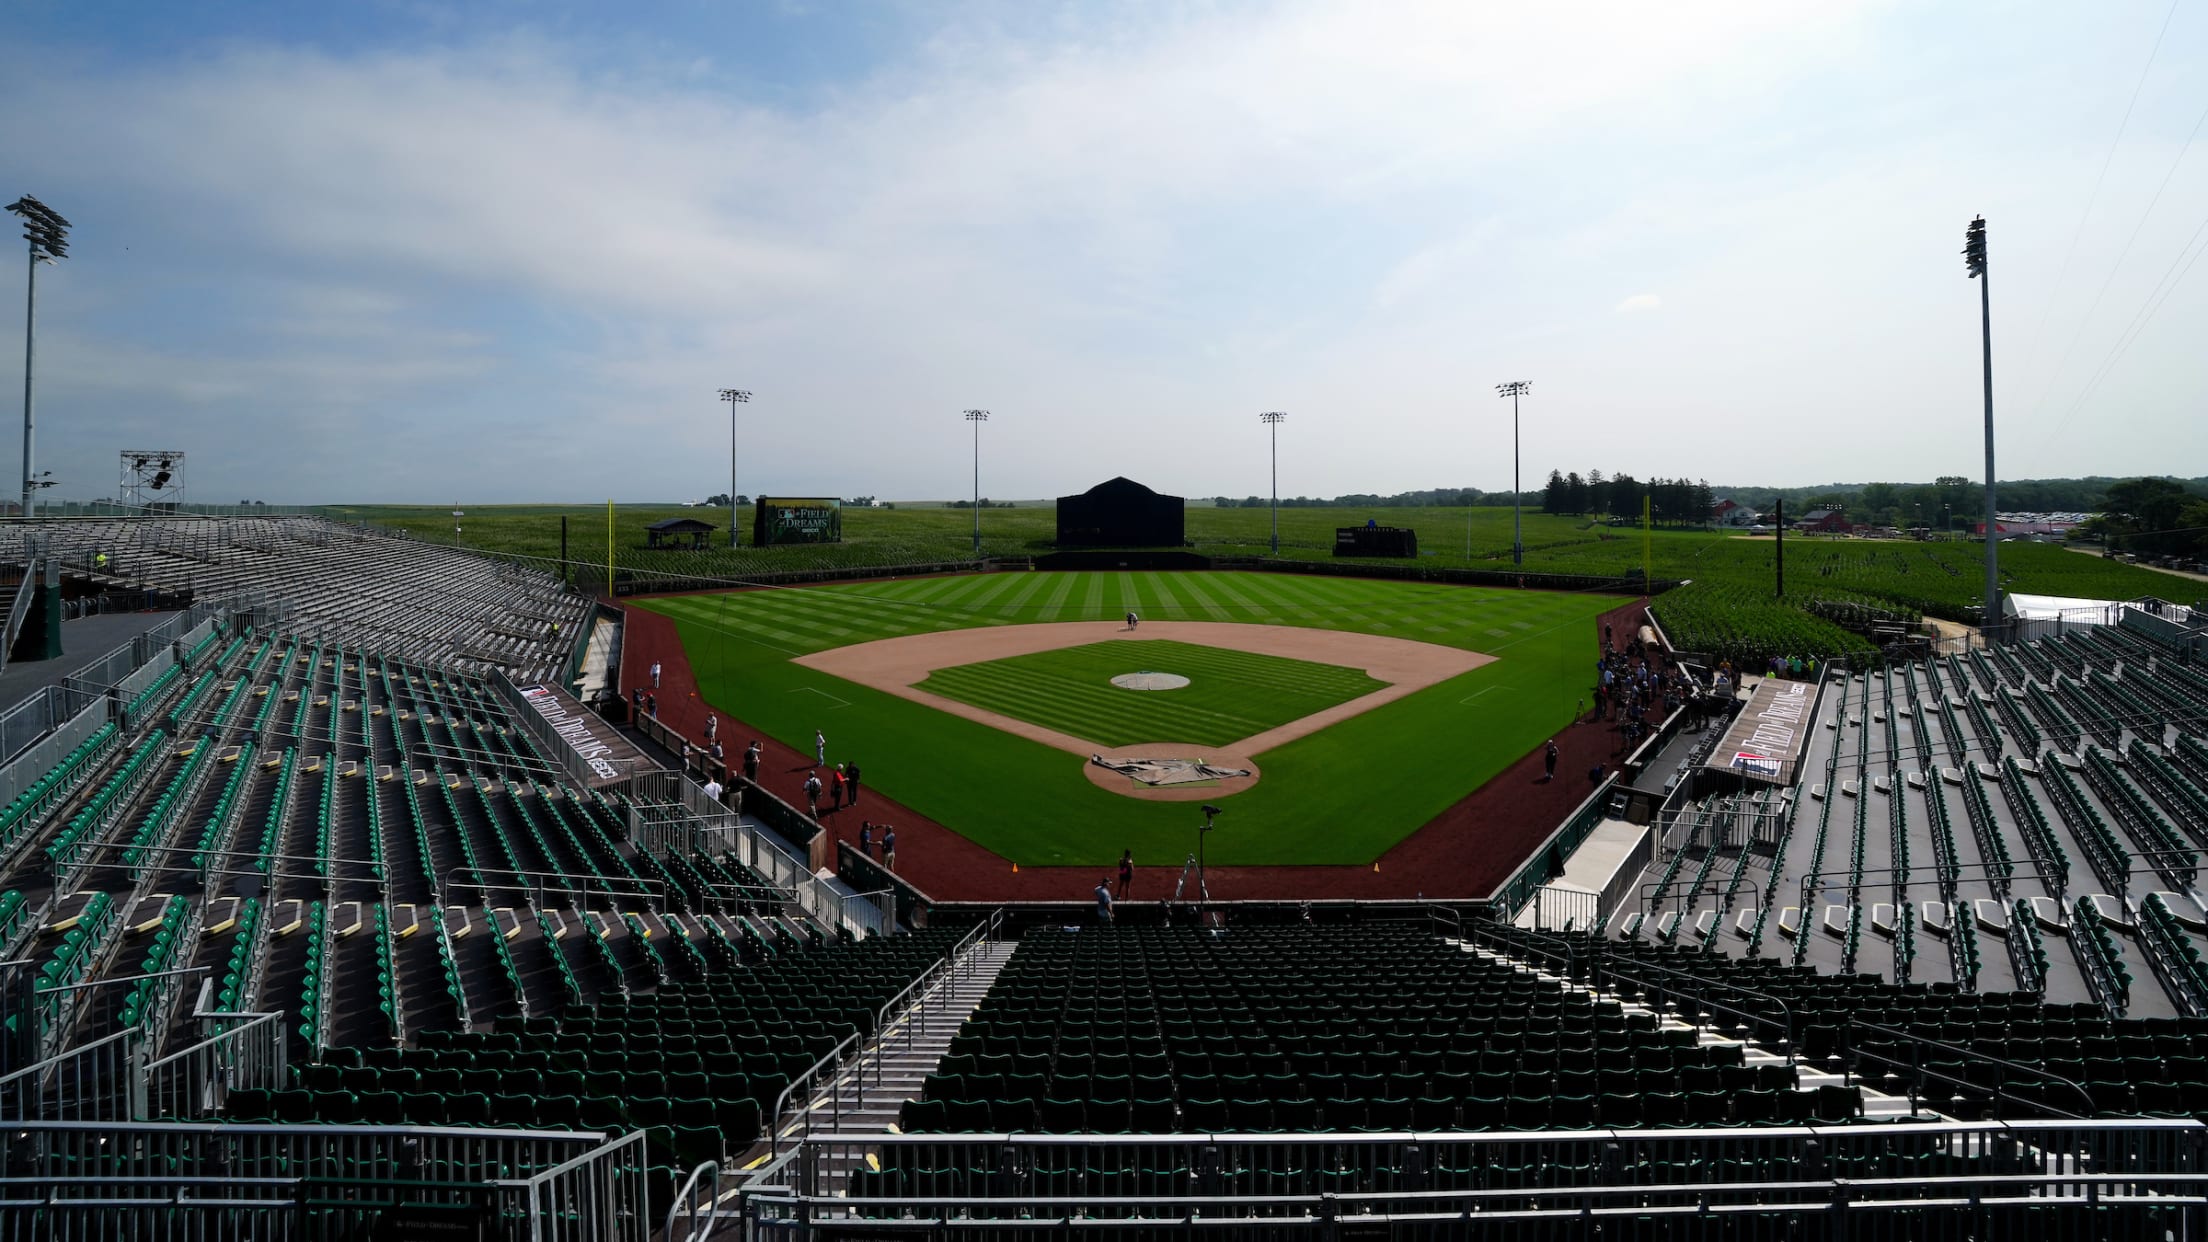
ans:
x=1202 y=772
x=1149 y=681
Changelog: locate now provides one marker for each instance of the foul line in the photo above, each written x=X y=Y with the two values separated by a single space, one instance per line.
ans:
x=822 y=693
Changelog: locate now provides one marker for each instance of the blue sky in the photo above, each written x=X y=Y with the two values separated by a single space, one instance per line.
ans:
x=508 y=252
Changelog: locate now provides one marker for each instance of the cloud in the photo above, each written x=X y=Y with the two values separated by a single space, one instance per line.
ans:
x=1116 y=228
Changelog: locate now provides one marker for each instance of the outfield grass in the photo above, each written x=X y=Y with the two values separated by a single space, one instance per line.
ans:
x=1731 y=606
x=1231 y=694
x=1342 y=795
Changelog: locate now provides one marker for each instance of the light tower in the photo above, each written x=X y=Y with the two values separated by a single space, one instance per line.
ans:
x=1273 y=419
x=48 y=235
x=734 y=397
x=1514 y=390
x=1974 y=259
x=977 y=418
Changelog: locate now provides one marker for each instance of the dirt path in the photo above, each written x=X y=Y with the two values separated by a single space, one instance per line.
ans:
x=896 y=665
x=1466 y=851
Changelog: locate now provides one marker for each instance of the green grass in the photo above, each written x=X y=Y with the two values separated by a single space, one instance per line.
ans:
x=1730 y=607
x=1231 y=695
x=1032 y=803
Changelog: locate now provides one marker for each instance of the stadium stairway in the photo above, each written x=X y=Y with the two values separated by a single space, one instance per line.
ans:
x=902 y=1054
x=1874 y=1105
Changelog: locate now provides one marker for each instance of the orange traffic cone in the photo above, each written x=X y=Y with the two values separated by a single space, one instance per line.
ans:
x=1015 y=868
x=1376 y=866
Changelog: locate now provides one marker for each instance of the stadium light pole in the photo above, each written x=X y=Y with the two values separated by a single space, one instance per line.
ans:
x=48 y=235
x=977 y=418
x=1514 y=390
x=1273 y=419
x=1974 y=260
x=734 y=397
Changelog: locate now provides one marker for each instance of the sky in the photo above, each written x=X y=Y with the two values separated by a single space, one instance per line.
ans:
x=509 y=251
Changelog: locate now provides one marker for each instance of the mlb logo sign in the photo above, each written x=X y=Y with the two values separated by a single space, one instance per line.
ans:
x=1753 y=764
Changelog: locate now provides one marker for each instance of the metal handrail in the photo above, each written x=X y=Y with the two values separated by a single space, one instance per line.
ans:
x=1918 y=1043
x=833 y=1064
x=1607 y=966
x=686 y=1204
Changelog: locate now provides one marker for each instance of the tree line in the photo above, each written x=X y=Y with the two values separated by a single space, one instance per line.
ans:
x=1671 y=502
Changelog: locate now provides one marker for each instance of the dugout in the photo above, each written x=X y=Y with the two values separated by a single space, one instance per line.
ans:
x=1374 y=540
x=1121 y=513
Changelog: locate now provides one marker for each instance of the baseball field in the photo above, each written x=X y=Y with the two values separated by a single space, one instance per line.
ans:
x=1362 y=709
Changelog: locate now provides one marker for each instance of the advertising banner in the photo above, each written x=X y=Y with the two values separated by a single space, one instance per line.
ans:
x=805 y=519
x=1765 y=741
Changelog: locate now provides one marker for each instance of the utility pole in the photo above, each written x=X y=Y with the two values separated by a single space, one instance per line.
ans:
x=1271 y=418
x=1514 y=390
x=48 y=235
x=1974 y=259
x=977 y=418
x=734 y=397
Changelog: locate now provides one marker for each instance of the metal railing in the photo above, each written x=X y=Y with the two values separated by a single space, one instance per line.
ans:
x=96 y=1081
x=2002 y=1071
x=95 y=1180
x=691 y=1217
x=2120 y=1178
x=18 y=609
x=913 y=1007
x=598 y=1196
x=193 y=1082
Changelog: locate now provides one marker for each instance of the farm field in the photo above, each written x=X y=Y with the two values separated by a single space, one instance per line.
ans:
x=1728 y=607
x=1231 y=694
x=1033 y=804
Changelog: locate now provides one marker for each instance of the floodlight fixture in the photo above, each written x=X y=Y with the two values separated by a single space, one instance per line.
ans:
x=1974 y=260
x=734 y=397
x=1514 y=390
x=1273 y=419
x=48 y=235
x=977 y=418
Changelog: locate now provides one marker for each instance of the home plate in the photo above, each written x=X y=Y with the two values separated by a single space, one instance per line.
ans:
x=1171 y=772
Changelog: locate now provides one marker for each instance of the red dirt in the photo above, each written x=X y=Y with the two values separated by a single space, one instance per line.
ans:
x=1465 y=852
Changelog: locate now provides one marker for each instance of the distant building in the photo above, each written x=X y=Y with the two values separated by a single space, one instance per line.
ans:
x=1729 y=512
x=1825 y=522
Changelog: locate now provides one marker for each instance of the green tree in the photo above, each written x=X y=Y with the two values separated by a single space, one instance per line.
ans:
x=2145 y=513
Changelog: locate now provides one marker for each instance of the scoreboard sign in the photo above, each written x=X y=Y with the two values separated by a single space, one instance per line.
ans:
x=785 y=519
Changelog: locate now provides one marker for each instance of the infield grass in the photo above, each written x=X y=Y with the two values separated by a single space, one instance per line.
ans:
x=1230 y=695
x=1341 y=795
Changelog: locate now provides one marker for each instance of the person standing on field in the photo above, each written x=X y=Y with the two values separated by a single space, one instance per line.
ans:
x=655 y=674
x=1548 y=762
x=851 y=780
x=1104 y=901
x=812 y=795
x=820 y=747
x=889 y=847
x=1126 y=872
x=751 y=761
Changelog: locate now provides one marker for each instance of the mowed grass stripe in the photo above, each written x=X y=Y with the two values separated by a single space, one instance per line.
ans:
x=1231 y=695
x=1439 y=743
x=1054 y=608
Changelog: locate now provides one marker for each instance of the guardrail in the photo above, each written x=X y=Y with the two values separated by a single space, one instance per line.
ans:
x=911 y=1006
x=194 y=1081
x=97 y=1081
x=2116 y=1178
x=87 y=1180
x=598 y=1196
x=18 y=609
